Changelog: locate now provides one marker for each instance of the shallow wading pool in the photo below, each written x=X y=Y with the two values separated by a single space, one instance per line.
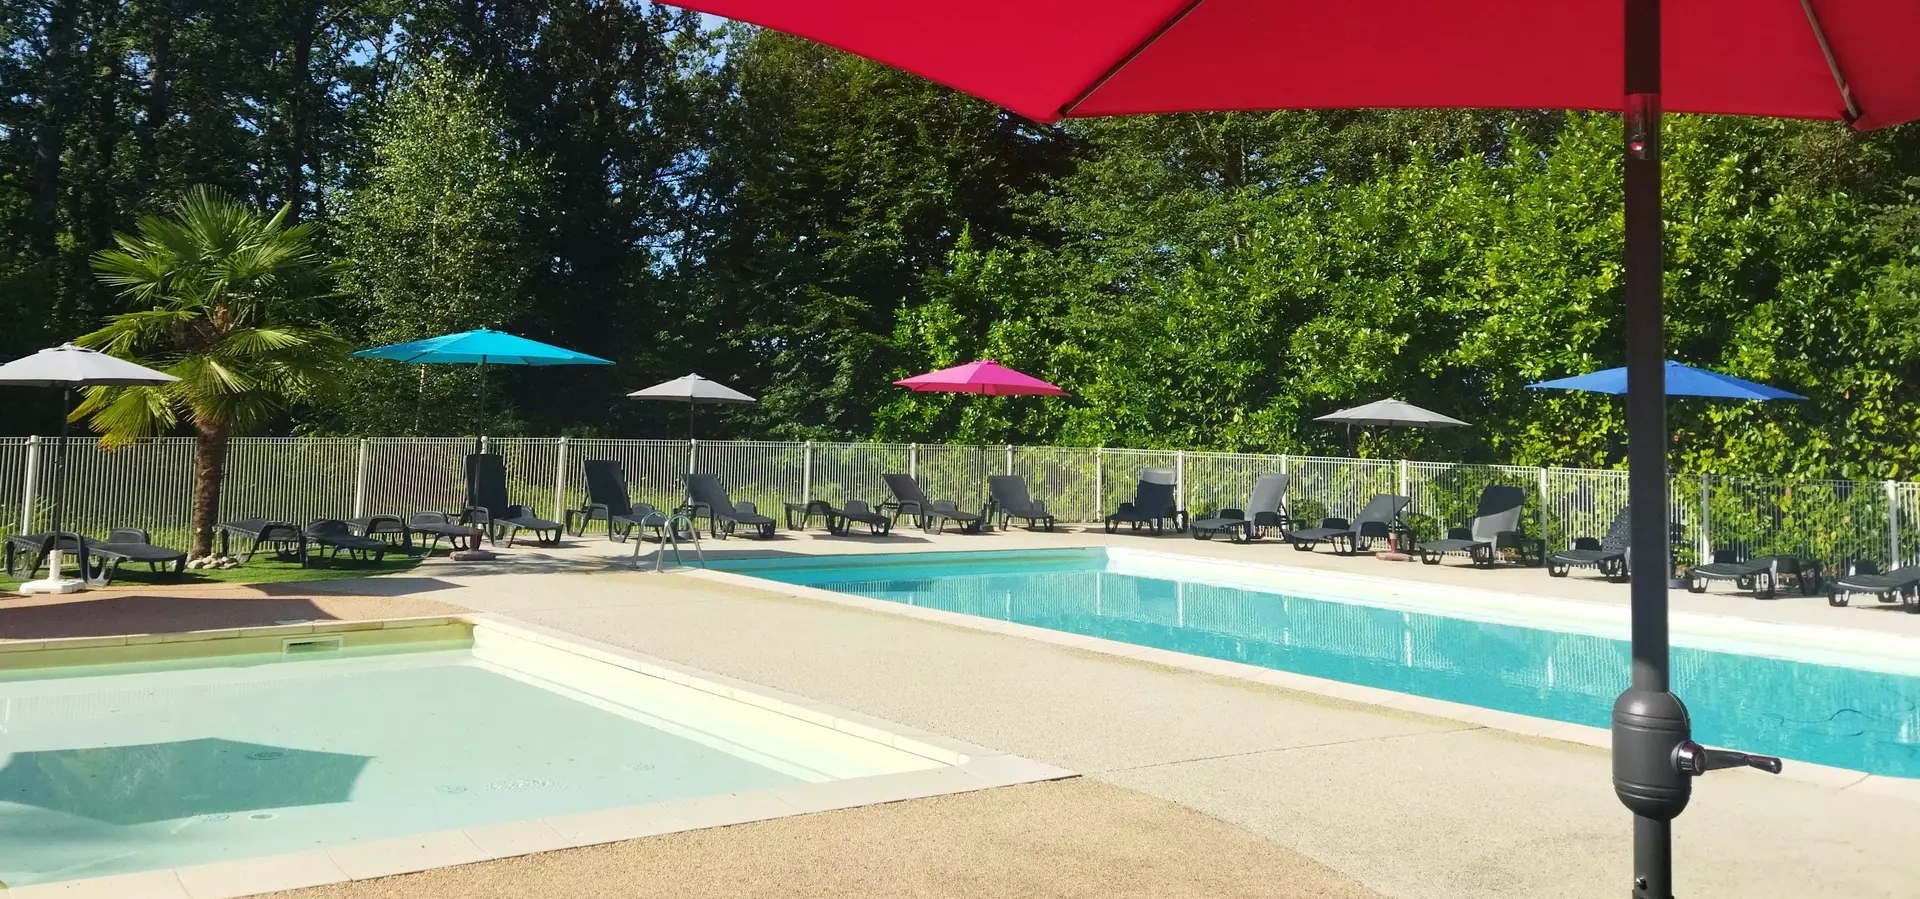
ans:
x=1770 y=699
x=134 y=758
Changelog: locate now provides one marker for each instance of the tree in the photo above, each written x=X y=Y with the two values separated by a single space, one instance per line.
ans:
x=434 y=242
x=230 y=309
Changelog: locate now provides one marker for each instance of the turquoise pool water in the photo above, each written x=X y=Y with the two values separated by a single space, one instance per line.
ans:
x=1863 y=720
x=132 y=767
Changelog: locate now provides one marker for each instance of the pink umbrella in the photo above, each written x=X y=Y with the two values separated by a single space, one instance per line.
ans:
x=985 y=377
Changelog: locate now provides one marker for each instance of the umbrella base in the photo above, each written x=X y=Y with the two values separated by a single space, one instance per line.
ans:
x=53 y=586
x=472 y=555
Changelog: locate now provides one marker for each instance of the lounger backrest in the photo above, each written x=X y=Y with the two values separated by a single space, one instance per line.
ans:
x=487 y=483
x=1010 y=492
x=519 y=511
x=423 y=518
x=607 y=485
x=328 y=527
x=1383 y=508
x=1619 y=536
x=705 y=490
x=1269 y=494
x=905 y=488
x=1155 y=492
x=857 y=507
x=129 y=535
x=1499 y=513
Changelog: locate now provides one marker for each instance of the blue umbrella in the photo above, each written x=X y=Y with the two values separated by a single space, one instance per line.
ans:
x=1682 y=380
x=480 y=347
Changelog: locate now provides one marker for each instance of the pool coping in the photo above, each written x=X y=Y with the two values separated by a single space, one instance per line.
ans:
x=1902 y=788
x=965 y=767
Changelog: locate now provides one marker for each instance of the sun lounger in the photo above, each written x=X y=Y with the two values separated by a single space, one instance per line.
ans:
x=391 y=528
x=706 y=496
x=607 y=501
x=841 y=521
x=130 y=545
x=1495 y=526
x=32 y=549
x=440 y=525
x=487 y=504
x=287 y=540
x=1154 y=505
x=1010 y=500
x=1611 y=554
x=1267 y=505
x=326 y=534
x=1899 y=585
x=1379 y=519
x=1762 y=576
x=930 y=514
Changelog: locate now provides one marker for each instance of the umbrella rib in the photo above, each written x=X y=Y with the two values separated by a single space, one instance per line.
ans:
x=1833 y=63
x=1067 y=108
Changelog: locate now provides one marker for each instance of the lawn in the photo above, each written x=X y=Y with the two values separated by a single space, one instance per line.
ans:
x=264 y=569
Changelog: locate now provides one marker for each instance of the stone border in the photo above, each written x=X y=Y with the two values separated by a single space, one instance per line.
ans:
x=1807 y=772
x=967 y=768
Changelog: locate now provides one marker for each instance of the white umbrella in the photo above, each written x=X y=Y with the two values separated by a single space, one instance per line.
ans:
x=1392 y=414
x=67 y=367
x=692 y=390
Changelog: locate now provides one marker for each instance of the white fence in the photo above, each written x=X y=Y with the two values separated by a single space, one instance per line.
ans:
x=149 y=485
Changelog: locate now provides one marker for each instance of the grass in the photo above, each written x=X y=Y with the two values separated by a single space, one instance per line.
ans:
x=264 y=569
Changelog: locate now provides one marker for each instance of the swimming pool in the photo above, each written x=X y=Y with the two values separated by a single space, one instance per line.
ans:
x=1866 y=720
x=122 y=765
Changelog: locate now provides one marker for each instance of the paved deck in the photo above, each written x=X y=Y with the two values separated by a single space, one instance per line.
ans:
x=1404 y=805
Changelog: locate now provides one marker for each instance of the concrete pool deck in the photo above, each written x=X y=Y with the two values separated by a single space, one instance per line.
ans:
x=1403 y=804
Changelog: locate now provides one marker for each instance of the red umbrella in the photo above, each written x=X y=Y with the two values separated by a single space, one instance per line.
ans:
x=1847 y=60
x=984 y=377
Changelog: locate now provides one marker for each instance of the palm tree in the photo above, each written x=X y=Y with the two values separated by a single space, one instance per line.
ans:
x=225 y=299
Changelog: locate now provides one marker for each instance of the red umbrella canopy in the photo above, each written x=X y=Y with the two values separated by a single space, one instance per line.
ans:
x=1049 y=59
x=985 y=377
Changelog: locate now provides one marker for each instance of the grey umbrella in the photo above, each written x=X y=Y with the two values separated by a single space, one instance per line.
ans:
x=67 y=367
x=692 y=390
x=1389 y=414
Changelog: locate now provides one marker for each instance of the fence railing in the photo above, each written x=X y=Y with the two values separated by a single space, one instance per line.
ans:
x=150 y=485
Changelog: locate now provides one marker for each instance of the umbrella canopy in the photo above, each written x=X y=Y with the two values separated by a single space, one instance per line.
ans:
x=692 y=389
x=150 y=782
x=482 y=346
x=1049 y=59
x=984 y=377
x=70 y=366
x=1392 y=414
x=1682 y=380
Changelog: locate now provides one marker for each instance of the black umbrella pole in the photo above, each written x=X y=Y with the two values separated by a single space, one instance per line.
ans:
x=1649 y=722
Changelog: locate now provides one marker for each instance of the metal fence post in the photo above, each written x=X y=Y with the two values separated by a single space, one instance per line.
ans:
x=913 y=461
x=693 y=453
x=1099 y=494
x=1009 y=458
x=1893 y=525
x=1706 y=519
x=1180 y=479
x=1543 y=507
x=486 y=446
x=1283 y=463
x=560 y=481
x=806 y=473
x=1403 y=479
x=31 y=483
x=360 y=482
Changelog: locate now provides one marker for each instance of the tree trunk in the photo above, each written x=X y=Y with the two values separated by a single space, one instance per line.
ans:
x=50 y=138
x=209 y=469
x=159 y=84
x=299 y=95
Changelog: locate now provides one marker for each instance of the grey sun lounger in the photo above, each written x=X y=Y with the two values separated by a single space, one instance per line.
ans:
x=131 y=545
x=930 y=514
x=1495 y=526
x=1267 y=505
x=439 y=525
x=841 y=521
x=1899 y=585
x=706 y=496
x=489 y=509
x=1010 y=500
x=1611 y=554
x=1762 y=575
x=1154 y=504
x=324 y=534
x=287 y=540
x=1380 y=518
x=607 y=501
x=391 y=528
x=32 y=549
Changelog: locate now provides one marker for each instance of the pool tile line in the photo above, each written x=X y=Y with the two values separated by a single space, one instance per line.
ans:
x=1493 y=719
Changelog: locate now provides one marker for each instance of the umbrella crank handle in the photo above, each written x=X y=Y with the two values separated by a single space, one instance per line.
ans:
x=1694 y=759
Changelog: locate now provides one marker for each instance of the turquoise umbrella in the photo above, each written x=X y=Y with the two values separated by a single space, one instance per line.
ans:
x=480 y=347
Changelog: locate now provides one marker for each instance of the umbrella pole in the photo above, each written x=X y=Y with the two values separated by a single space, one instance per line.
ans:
x=480 y=426
x=60 y=488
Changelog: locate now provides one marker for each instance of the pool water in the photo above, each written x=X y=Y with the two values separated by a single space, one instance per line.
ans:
x=1850 y=718
x=132 y=767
